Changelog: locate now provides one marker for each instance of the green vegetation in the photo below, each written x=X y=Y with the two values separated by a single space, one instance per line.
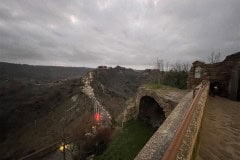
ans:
x=157 y=86
x=128 y=142
x=169 y=79
x=176 y=79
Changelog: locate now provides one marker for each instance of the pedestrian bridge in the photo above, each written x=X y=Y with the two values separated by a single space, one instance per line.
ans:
x=177 y=137
x=199 y=127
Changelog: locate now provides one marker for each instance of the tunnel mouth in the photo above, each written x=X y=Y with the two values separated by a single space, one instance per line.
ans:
x=215 y=88
x=151 y=112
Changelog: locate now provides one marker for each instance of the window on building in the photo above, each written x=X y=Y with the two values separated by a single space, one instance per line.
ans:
x=198 y=72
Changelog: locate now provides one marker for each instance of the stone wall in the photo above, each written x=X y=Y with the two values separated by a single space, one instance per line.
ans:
x=192 y=81
x=166 y=103
x=221 y=72
x=166 y=98
x=159 y=143
x=189 y=145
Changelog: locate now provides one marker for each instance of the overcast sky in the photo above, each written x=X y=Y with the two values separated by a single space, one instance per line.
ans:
x=116 y=32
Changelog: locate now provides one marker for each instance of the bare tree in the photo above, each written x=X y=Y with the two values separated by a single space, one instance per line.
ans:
x=81 y=134
x=160 y=64
x=178 y=67
x=214 y=58
x=63 y=139
x=160 y=67
x=167 y=67
x=59 y=133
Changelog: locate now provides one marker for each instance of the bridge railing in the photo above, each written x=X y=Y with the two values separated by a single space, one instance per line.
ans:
x=174 y=150
x=177 y=137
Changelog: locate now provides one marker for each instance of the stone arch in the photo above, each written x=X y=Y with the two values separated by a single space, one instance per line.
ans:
x=151 y=112
x=166 y=105
x=163 y=102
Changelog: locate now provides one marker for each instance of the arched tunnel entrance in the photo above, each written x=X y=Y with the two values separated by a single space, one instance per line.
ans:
x=151 y=112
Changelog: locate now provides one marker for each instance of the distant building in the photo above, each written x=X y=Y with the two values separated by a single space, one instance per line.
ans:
x=226 y=74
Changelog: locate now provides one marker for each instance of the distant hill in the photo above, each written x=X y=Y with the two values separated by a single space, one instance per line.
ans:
x=28 y=92
x=23 y=72
x=35 y=99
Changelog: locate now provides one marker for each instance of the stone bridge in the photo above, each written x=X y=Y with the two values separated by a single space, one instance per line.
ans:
x=165 y=103
x=165 y=98
x=199 y=127
x=177 y=137
x=156 y=105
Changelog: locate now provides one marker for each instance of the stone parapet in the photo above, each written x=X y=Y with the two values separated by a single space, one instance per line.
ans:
x=159 y=142
x=189 y=144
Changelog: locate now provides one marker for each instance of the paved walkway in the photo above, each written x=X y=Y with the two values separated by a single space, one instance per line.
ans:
x=220 y=132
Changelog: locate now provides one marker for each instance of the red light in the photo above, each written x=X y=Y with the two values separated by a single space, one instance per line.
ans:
x=97 y=116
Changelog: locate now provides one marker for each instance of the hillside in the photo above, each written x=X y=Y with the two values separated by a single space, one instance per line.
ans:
x=30 y=73
x=28 y=93
x=31 y=112
x=115 y=86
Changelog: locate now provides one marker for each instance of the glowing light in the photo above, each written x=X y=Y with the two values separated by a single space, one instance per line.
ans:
x=61 y=148
x=97 y=117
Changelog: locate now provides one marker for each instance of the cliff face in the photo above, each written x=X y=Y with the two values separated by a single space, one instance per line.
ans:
x=114 y=87
x=39 y=109
x=34 y=124
x=29 y=92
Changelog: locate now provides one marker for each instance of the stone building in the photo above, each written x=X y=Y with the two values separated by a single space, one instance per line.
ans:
x=225 y=73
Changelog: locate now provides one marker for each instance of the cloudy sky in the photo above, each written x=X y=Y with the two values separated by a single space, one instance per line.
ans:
x=116 y=32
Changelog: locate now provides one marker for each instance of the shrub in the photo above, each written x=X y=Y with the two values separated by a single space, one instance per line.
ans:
x=176 y=79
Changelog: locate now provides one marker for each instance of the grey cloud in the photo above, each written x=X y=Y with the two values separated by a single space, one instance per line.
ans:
x=116 y=32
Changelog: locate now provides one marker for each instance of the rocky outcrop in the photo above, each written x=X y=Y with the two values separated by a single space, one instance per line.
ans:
x=105 y=118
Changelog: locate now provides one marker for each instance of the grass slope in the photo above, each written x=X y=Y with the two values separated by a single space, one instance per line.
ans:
x=158 y=86
x=127 y=144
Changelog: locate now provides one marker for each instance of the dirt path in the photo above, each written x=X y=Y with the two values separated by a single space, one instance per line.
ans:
x=220 y=132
